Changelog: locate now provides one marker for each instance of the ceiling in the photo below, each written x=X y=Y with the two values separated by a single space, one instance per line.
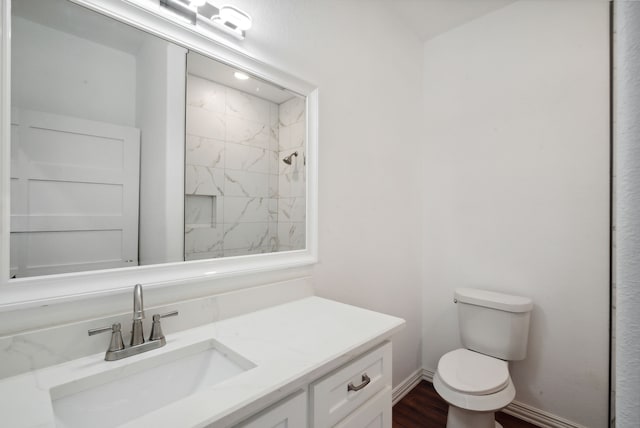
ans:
x=428 y=18
x=210 y=69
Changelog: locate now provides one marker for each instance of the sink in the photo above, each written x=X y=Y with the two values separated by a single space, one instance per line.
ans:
x=130 y=391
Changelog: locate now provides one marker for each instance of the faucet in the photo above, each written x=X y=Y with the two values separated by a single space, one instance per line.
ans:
x=137 y=334
x=137 y=345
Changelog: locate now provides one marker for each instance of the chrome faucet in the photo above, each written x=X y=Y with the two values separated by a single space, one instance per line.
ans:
x=117 y=350
x=137 y=334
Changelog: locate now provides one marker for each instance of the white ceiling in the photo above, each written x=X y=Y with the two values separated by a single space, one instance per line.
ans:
x=210 y=69
x=428 y=18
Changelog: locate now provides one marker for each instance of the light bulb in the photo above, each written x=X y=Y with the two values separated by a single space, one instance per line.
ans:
x=235 y=16
x=240 y=75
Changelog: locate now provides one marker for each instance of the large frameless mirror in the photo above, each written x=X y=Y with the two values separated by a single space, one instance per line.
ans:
x=130 y=150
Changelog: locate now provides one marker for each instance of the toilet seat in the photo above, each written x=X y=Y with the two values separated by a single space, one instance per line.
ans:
x=455 y=390
x=472 y=373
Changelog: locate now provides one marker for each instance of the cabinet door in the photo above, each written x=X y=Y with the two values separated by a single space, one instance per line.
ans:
x=375 y=413
x=288 y=413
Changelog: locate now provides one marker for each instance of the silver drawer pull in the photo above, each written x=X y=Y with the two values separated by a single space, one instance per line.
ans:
x=365 y=381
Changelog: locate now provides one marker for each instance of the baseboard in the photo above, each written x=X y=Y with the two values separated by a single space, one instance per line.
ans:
x=405 y=386
x=519 y=410
x=427 y=375
x=538 y=417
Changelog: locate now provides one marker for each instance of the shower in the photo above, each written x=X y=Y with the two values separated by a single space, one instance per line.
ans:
x=288 y=159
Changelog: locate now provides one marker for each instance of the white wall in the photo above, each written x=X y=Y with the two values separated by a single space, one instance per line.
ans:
x=367 y=68
x=516 y=191
x=627 y=210
x=160 y=106
x=60 y=73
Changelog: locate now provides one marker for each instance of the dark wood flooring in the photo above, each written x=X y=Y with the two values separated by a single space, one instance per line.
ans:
x=423 y=408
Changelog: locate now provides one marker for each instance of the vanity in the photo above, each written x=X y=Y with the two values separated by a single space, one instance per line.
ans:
x=311 y=362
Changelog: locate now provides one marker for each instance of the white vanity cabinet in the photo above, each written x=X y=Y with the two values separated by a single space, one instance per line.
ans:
x=375 y=413
x=310 y=363
x=288 y=413
x=356 y=395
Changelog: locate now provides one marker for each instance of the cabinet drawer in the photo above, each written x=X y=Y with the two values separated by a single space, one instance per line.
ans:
x=333 y=397
x=375 y=413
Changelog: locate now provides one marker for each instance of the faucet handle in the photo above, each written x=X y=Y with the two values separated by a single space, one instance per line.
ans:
x=156 y=328
x=116 y=343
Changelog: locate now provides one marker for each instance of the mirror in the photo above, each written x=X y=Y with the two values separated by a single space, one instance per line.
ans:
x=130 y=150
x=245 y=164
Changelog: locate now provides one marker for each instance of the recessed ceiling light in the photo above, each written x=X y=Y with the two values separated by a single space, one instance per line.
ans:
x=240 y=75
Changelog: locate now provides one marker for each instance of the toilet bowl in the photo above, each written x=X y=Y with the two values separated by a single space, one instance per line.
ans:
x=475 y=386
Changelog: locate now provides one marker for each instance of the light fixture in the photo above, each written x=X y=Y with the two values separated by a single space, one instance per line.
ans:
x=240 y=75
x=234 y=16
x=203 y=14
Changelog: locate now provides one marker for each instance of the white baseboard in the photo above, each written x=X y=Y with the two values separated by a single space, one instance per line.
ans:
x=405 y=386
x=427 y=375
x=538 y=417
x=519 y=410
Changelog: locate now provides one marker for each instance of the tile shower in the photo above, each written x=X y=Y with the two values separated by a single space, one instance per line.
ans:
x=240 y=197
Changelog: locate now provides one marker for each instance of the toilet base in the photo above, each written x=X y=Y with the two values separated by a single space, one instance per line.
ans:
x=462 y=418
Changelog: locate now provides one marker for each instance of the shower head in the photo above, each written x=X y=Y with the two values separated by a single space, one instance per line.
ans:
x=288 y=159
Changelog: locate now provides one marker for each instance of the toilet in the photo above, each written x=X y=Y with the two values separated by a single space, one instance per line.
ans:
x=475 y=380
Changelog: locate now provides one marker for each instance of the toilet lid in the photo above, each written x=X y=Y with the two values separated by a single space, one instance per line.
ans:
x=473 y=373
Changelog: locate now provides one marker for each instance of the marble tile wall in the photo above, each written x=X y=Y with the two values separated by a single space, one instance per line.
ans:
x=241 y=198
x=292 y=178
x=231 y=183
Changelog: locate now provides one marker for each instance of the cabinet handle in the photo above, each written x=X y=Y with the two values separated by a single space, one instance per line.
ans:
x=365 y=381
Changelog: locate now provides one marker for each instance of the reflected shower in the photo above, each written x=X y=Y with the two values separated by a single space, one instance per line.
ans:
x=288 y=159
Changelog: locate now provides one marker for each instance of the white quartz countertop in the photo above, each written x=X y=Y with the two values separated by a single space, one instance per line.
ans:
x=290 y=344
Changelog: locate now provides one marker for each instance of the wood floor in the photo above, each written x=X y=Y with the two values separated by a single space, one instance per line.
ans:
x=423 y=408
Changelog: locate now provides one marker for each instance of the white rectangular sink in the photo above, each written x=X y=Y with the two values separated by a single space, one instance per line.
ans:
x=127 y=392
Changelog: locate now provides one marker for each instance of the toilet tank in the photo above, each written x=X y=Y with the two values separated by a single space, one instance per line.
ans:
x=494 y=324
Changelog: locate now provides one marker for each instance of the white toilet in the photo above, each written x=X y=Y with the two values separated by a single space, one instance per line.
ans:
x=474 y=380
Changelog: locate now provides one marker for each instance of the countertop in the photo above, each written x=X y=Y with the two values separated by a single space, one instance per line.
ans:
x=290 y=345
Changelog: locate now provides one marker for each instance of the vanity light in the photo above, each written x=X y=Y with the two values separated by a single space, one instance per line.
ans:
x=204 y=15
x=240 y=75
x=234 y=16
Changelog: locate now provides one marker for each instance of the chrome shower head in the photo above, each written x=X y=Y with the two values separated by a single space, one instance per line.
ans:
x=288 y=159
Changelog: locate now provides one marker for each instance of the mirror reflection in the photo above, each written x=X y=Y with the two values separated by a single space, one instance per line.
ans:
x=245 y=156
x=129 y=150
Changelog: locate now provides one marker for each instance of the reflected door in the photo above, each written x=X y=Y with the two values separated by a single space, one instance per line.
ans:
x=74 y=194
